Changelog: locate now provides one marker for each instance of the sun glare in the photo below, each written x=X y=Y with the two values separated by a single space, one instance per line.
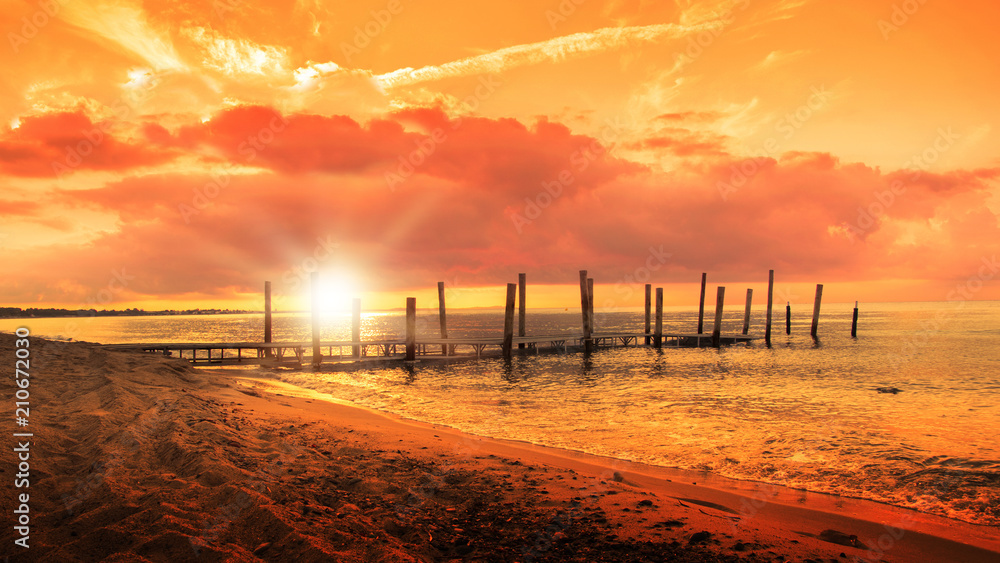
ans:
x=337 y=292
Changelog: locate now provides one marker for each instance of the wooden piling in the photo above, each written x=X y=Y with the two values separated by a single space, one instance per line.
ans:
x=584 y=308
x=854 y=323
x=720 y=298
x=267 y=318
x=788 y=317
x=770 y=303
x=816 y=304
x=701 y=304
x=411 y=329
x=317 y=355
x=442 y=316
x=649 y=291
x=356 y=327
x=590 y=303
x=658 y=335
x=522 y=284
x=746 y=315
x=508 y=321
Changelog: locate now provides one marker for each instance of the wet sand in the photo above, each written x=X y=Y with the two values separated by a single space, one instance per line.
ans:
x=143 y=458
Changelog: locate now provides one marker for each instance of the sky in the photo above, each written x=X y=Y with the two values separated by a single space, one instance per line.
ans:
x=172 y=154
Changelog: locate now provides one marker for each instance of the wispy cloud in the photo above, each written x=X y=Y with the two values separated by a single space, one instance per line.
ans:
x=127 y=27
x=557 y=49
x=237 y=56
x=777 y=58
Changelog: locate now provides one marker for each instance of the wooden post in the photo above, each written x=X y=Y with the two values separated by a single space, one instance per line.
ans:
x=701 y=304
x=522 y=284
x=508 y=321
x=317 y=355
x=590 y=303
x=584 y=307
x=720 y=299
x=443 y=317
x=411 y=329
x=356 y=327
x=658 y=335
x=788 y=317
x=649 y=290
x=267 y=318
x=770 y=302
x=746 y=315
x=819 y=299
x=854 y=323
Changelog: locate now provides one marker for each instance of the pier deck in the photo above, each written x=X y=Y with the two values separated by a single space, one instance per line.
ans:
x=392 y=348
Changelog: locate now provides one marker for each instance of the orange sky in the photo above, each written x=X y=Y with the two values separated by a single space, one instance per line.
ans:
x=168 y=154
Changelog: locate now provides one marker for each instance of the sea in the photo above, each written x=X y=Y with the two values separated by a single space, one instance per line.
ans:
x=803 y=413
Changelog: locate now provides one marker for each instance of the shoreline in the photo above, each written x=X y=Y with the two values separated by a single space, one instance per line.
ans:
x=703 y=482
x=145 y=458
x=821 y=501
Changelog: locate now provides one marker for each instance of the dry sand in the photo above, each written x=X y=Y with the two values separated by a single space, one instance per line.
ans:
x=144 y=458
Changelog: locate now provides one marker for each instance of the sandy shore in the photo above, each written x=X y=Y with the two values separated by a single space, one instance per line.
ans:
x=144 y=458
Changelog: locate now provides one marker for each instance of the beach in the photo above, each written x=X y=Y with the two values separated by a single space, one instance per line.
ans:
x=139 y=457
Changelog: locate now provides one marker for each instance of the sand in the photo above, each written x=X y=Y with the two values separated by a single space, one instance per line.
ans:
x=143 y=458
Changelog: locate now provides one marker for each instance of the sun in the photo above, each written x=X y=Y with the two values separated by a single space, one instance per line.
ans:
x=337 y=291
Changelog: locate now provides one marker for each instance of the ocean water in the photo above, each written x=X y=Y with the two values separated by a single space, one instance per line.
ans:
x=802 y=413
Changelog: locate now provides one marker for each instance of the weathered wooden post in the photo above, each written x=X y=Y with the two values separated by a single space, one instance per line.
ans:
x=854 y=323
x=658 y=335
x=720 y=299
x=819 y=299
x=443 y=317
x=267 y=318
x=590 y=304
x=508 y=321
x=649 y=291
x=317 y=355
x=411 y=329
x=356 y=327
x=770 y=302
x=746 y=315
x=788 y=317
x=584 y=307
x=522 y=284
x=701 y=304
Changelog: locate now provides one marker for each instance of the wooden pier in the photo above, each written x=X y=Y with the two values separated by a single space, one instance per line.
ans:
x=409 y=346
x=297 y=353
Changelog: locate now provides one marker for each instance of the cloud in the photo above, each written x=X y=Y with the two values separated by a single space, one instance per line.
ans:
x=238 y=57
x=54 y=144
x=127 y=27
x=557 y=49
x=323 y=178
x=778 y=58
